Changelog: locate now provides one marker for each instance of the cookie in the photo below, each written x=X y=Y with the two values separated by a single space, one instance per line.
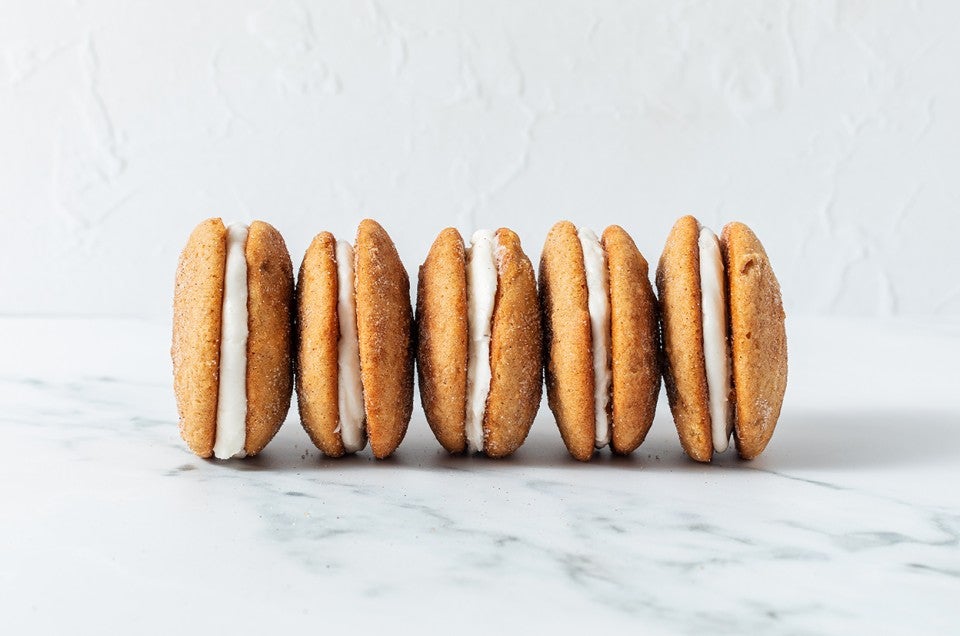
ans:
x=442 y=339
x=355 y=345
x=708 y=365
x=318 y=331
x=232 y=338
x=758 y=338
x=600 y=339
x=634 y=342
x=478 y=352
x=684 y=368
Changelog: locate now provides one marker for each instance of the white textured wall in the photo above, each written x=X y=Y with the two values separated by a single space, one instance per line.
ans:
x=832 y=127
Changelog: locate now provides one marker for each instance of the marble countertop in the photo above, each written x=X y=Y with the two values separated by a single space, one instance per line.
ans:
x=849 y=523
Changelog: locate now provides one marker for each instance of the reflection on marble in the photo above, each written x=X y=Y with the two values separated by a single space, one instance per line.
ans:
x=850 y=522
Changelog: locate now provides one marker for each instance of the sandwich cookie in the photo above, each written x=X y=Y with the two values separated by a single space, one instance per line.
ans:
x=724 y=338
x=355 y=350
x=232 y=338
x=600 y=339
x=478 y=354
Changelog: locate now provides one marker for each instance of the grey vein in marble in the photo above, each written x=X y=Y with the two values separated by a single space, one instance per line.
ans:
x=850 y=522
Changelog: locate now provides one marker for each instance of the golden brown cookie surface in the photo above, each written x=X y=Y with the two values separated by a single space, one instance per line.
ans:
x=384 y=327
x=681 y=316
x=270 y=338
x=758 y=338
x=515 y=343
x=197 y=307
x=568 y=360
x=442 y=347
x=317 y=349
x=634 y=341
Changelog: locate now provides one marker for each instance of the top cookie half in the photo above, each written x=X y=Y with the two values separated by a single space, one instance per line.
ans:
x=197 y=308
x=319 y=332
x=442 y=346
x=567 y=352
x=515 y=341
x=758 y=338
x=634 y=342
x=681 y=315
x=385 y=332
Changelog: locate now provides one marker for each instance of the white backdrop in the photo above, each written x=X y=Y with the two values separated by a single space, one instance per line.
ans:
x=833 y=128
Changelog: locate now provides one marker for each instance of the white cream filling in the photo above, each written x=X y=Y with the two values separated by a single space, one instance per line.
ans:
x=598 y=306
x=715 y=346
x=349 y=386
x=481 y=297
x=231 y=432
